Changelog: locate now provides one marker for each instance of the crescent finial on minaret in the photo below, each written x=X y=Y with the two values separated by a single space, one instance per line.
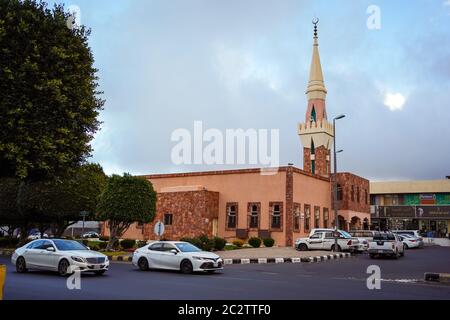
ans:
x=315 y=22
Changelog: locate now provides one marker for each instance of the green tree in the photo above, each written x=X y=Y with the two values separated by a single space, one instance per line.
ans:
x=124 y=201
x=57 y=204
x=49 y=100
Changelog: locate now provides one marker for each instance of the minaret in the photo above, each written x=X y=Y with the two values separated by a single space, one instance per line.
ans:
x=316 y=133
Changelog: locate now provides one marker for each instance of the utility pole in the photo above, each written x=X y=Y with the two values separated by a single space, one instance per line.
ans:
x=335 y=183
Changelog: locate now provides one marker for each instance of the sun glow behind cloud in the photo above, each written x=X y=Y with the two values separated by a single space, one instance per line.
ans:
x=394 y=101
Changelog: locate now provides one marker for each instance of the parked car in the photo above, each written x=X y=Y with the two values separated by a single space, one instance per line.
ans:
x=37 y=235
x=410 y=241
x=91 y=235
x=63 y=256
x=176 y=255
x=414 y=233
x=386 y=244
x=324 y=240
x=364 y=237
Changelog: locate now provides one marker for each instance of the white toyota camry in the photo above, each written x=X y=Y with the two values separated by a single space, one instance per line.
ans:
x=176 y=255
x=63 y=256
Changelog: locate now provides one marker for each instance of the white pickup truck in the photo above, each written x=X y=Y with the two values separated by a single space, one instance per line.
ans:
x=324 y=240
x=386 y=244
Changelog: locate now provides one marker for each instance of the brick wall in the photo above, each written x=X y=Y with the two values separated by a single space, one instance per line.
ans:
x=323 y=167
x=193 y=214
x=347 y=180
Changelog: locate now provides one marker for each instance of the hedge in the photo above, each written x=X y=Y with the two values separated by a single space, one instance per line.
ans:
x=269 y=242
x=255 y=242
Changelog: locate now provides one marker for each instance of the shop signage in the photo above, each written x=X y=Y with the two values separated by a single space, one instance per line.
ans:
x=414 y=212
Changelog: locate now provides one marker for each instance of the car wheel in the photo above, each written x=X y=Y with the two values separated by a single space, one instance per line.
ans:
x=21 y=265
x=405 y=246
x=143 y=264
x=302 y=247
x=63 y=268
x=396 y=254
x=186 y=267
x=333 y=247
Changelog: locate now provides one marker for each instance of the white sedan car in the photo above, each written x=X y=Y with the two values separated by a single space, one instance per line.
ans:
x=176 y=255
x=409 y=241
x=63 y=256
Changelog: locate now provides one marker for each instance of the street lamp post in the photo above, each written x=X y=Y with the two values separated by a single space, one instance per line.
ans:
x=335 y=182
x=83 y=214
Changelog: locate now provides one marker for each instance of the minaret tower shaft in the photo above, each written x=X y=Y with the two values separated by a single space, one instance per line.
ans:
x=316 y=133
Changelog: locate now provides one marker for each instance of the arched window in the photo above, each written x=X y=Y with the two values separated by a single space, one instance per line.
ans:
x=339 y=193
x=313 y=114
x=313 y=147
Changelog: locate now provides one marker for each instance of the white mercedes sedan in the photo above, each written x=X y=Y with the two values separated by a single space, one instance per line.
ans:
x=63 y=256
x=176 y=255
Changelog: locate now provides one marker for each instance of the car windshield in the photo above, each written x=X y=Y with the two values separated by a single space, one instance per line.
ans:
x=187 y=247
x=345 y=234
x=383 y=236
x=68 y=245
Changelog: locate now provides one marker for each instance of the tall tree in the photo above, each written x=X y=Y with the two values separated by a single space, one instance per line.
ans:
x=57 y=204
x=49 y=100
x=124 y=201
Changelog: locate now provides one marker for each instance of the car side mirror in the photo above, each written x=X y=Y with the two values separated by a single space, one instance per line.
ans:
x=174 y=251
x=51 y=249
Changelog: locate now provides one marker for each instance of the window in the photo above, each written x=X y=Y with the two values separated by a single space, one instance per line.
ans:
x=313 y=167
x=156 y=247
x=313 y=114
x=353 y=193
x=254 y=216
x=297 y=215
x=329 y=235
x=316 y=236
x=313 y=148
x=326 y=217
x=168 y=219
x=232 y=215
x=276 y=212
x=366 y=198
x=358 y=196
x=307 y=217
x=339 y=193
x=316 y=217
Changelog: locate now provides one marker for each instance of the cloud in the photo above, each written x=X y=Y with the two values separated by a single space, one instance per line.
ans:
x=394 y=101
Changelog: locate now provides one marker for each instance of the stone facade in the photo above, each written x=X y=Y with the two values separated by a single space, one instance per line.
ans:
x=321 y=159
x=193 y=214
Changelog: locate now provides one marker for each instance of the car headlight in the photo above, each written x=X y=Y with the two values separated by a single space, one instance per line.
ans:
x=198 y=258
x=78 y=259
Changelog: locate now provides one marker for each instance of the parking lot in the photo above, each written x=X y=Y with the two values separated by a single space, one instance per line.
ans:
x=335 y=279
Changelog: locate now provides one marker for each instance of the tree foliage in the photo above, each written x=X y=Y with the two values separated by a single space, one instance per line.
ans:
x=49 y=101
x=125 y=200
x=55 y=203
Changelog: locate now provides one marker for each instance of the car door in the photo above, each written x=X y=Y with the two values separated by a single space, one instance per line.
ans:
x=47 y=259
x=315 y=242
x=169 y=259
x=328 y=241
x=154 y=255
x=31 y=253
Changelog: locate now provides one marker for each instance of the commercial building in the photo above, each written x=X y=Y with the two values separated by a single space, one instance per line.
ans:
x=284 y=205
x=413 y=205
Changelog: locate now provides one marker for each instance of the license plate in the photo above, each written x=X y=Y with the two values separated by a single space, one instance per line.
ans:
x=380 y=251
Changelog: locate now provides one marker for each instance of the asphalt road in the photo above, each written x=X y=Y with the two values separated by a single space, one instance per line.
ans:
x=336 y=279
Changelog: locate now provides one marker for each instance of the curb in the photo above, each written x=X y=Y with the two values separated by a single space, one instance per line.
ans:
x=121 y=258
x=6 y=252
x=437 y=277
x=287 y=260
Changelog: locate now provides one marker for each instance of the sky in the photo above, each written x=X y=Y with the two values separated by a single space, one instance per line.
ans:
x=244 y=64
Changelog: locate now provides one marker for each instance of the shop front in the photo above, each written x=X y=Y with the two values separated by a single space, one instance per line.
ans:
x=432 y=221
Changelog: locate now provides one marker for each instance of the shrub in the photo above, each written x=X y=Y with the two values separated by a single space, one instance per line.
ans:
x=140 y=243
x=8 y=242
x=102 y=245
x=255 y=242
x=219 y=243
x=127 y=243
x=238 y=243
x=103 y=238
x=85 y=242
x=269 y=242
x=202 y=242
